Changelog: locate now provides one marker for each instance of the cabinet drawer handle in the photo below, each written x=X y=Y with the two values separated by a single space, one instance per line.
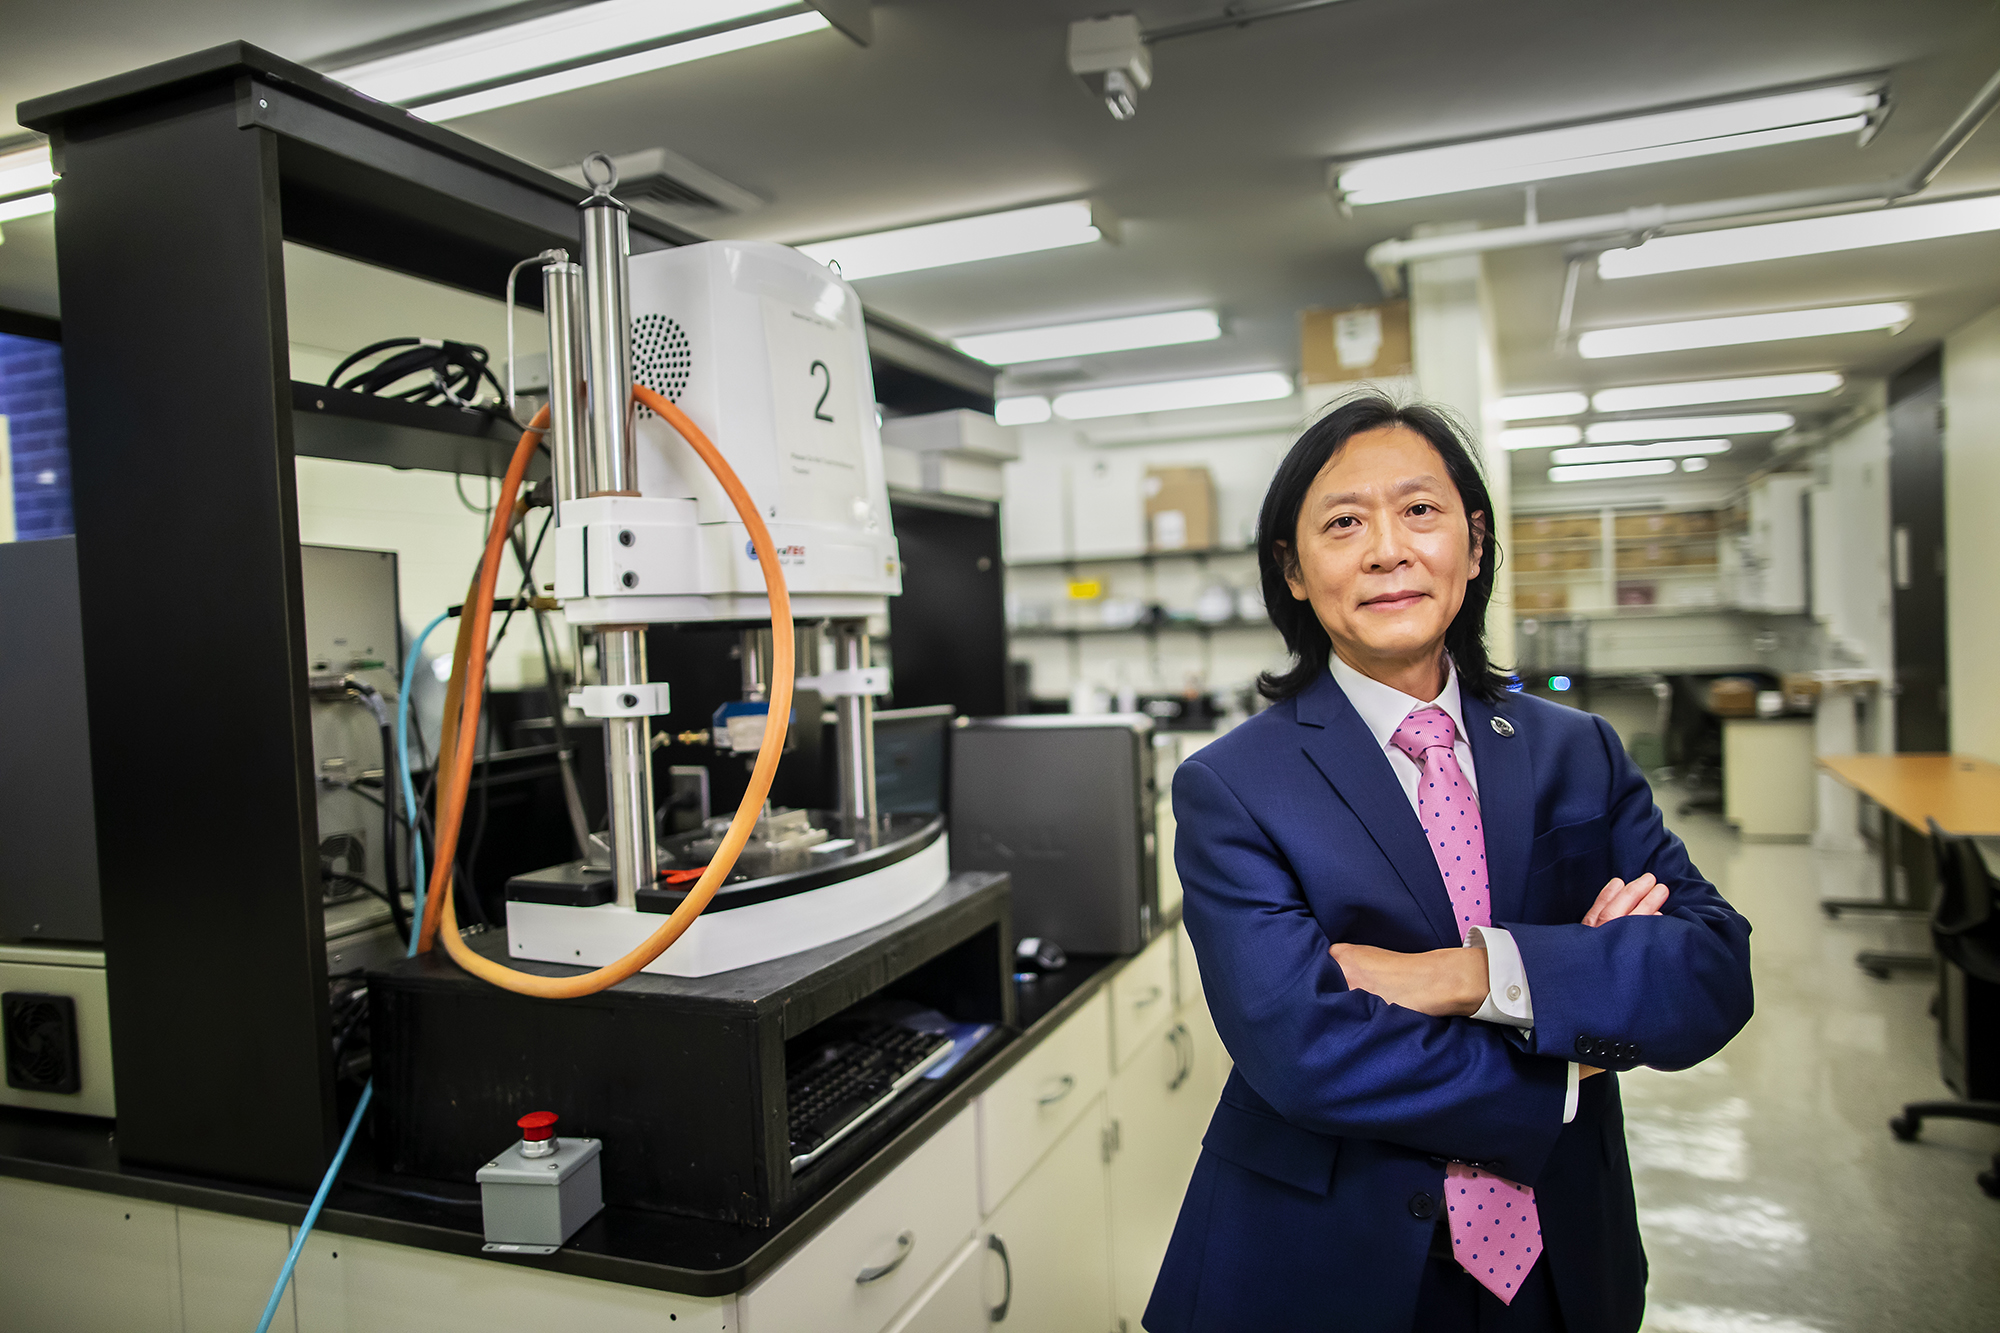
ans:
x=1183 y=1043
x=1068 y=1082
x=1154 y=995
x=904 y=1244
x=999 y=1312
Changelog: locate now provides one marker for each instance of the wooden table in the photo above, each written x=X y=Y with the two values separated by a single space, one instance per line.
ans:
x=1958 y=791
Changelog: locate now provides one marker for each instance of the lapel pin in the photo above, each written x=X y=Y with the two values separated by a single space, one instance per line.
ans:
x=1503 y=726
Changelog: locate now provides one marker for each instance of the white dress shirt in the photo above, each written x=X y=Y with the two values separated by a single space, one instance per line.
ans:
x=1383 y=708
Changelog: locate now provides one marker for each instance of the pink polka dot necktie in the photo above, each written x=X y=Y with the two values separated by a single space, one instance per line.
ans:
x=1495 y=1231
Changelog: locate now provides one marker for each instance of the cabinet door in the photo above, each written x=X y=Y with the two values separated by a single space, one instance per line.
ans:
x=1142 y=1000
x=873 y=1259
x=1158 y=1114
x=955 y=1301
x=1208 y=1056
x=1022 y=1115
x=1047 y=1270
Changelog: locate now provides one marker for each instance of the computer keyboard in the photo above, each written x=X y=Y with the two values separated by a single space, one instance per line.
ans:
x=835 y=1087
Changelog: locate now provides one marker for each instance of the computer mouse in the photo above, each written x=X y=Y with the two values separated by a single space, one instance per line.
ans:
x=1035 y=954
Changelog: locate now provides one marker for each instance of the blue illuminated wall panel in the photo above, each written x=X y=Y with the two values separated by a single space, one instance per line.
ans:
x=31 y=398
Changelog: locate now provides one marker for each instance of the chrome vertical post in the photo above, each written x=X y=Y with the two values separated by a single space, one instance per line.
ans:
x=607 y=252
x=562 y=303
x=612 y=461
x=854 y=734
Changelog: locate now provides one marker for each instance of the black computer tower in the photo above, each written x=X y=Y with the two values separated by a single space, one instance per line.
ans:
x=1064 y=805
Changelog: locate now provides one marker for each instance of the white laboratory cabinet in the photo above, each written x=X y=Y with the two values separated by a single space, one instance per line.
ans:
x=1770 y=555
x=1044 y=1205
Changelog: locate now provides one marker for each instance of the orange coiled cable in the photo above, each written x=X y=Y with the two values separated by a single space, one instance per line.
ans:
x=747 y=813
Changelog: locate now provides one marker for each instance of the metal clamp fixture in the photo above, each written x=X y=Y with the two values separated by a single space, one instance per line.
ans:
x=644 y=700
x=866 y=681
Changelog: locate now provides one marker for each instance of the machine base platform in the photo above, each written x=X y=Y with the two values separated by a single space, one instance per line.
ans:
x=737 y=936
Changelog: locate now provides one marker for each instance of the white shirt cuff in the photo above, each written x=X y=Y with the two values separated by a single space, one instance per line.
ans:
x=1508 y=999
x=1569 y=1098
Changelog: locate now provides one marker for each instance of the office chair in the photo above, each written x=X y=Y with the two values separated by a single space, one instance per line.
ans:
x=1965 y=927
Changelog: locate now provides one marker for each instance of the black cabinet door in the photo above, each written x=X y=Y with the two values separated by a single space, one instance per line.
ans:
x=1916 y=553
x=948 y=631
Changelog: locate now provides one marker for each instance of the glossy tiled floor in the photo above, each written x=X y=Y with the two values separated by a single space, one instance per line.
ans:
x=1772 y=1196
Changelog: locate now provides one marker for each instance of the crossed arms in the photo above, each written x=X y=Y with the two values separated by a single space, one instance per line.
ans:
x=1368 y=1043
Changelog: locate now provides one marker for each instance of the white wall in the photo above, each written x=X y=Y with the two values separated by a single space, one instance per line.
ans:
x=1241 y=447
x=1850 y=540
x=1971 y=532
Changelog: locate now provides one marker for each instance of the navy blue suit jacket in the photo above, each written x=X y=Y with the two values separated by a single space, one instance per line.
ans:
x=1320 y=1175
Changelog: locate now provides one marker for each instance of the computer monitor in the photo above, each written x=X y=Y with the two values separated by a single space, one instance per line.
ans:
x=910 y=759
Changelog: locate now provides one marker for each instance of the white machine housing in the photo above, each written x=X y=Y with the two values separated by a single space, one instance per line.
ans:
x=766 y=351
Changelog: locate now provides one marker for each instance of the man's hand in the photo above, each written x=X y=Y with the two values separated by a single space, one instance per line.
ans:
x=1443 y=983
x=1644 y=896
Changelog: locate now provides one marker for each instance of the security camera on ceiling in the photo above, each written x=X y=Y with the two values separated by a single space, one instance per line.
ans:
x=1109 y=54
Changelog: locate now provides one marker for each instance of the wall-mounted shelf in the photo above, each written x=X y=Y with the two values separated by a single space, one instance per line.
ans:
x=1154 y=627
x=362 y=428
x=1144 y=558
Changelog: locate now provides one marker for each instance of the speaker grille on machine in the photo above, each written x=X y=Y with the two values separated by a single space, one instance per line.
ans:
x=661 y=357
x=41 y=1041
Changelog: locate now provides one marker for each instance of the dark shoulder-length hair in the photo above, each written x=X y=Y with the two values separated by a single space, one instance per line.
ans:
x=1277 y=543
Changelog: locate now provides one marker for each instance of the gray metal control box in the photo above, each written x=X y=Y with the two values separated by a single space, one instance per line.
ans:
x=533 y=1204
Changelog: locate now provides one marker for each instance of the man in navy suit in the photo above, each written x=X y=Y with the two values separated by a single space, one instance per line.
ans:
x=1433 y=918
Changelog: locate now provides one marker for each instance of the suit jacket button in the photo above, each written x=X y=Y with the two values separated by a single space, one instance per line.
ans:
x=1423 y=1207
x=1585 y=1046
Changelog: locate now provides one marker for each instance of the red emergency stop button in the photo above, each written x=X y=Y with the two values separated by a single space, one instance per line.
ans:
x=537 y=1126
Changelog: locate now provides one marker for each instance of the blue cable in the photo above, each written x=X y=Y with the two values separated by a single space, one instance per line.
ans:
x=403 y=766
x=416 y=916
x=312 y=1213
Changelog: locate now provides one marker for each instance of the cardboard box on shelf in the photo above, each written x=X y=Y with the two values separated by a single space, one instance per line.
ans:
x=1801 y=690
x=1732 y=696
x=1541 y=599
x=1581 y=558
x=1180 y=509
x=1667 y=555
x=1364 y=342
x=1637 y=594
x=1684 y=523
x=1557 y=527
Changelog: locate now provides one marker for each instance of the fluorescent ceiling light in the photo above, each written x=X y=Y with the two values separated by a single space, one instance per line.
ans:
x=1540 y=437
x=568 y=38
x=1092 y=336
x=621 y=67
x=1625 y=453
x=28 y=169
x=1694 y=465
x=1666 y=136
x=1534 y=406
x=1685 y=428
x=1650 y=397
x=1776 y=326
x=1645 y=467
x=1173 y=395
x=1031 y=410
x=1806 y=236
x=15 y=209
x=935 y=244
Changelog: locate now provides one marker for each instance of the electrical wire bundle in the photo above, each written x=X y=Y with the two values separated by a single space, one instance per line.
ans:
x=431 y=371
